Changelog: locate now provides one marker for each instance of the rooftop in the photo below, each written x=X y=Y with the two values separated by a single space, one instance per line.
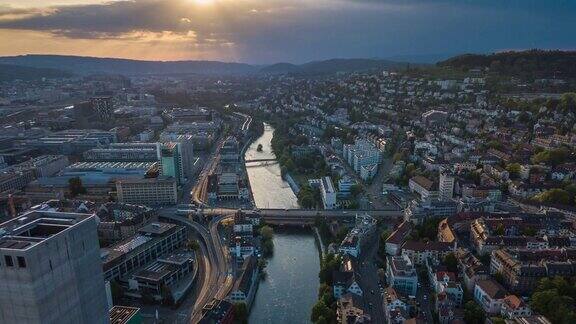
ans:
x=35 y=227
x=122 y=314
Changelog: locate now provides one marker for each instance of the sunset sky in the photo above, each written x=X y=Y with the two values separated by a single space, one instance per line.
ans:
x=268 y=31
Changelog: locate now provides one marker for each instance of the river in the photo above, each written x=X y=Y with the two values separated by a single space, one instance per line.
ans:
x=290 y=288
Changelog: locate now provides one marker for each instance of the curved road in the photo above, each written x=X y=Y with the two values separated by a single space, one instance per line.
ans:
x=217 y=278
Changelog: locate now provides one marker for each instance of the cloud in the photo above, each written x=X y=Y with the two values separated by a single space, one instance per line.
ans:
x=265 y=31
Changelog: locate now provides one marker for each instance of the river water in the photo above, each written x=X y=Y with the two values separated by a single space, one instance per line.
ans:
x=290 y=288
x=268 y=187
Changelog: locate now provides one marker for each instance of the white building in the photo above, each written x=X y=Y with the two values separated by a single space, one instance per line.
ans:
x=446 y=186
x=490 y=295
x=363 y=154
x=328 y=193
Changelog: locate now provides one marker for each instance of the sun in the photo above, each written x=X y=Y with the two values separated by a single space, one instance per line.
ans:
x=203 y=2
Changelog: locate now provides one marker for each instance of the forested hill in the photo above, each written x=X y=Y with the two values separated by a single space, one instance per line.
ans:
x=531 y=64
x=13 y=72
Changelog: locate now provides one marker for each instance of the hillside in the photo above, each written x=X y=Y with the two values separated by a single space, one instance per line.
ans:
x=88 y=65
x=527 y=64
x=93 y=65
x=332 y=66
x=13 y=72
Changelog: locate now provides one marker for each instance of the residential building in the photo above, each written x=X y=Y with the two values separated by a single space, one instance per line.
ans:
x=244 y=288
x=395 y=241
x=396 y=310
x=119 y=221
x=514 y=307
x=350 y=309
x=50 y=270
x=490 y=295
x=423 y=186
x=345 y=281
x=471 y=269
x=420 y=252
x=523 y=268
x=401 y=274
x=446 y=186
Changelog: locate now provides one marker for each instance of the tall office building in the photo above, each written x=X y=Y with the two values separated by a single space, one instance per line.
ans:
x=50 y=270
x=446 y=186
x=171 y=160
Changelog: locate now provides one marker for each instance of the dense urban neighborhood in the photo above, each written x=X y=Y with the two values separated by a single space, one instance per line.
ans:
x=430 y=193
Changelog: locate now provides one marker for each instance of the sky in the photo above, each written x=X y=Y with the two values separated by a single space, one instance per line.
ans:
x=270 y=31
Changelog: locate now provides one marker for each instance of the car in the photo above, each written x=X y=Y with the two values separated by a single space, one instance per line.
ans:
x=372 y=291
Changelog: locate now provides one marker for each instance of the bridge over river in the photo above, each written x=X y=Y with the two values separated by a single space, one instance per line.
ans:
x=302 y=216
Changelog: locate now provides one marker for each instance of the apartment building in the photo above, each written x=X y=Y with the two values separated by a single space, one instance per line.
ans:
x=523 y=268
x=401 y=274
x=328 y=193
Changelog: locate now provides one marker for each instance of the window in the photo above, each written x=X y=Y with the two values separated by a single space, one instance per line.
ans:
x=8 y=260
x=21 y=262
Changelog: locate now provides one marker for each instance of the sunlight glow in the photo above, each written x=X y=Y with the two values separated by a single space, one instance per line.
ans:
x=203 y=2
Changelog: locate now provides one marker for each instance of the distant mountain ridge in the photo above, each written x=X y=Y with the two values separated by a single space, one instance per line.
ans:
x=89 y=65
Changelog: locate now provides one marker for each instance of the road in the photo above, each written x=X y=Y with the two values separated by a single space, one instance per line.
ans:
x=217 y=279
x=368 y=281
x=423 y=297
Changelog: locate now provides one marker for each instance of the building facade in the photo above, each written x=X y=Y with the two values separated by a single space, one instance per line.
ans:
x=50 y=270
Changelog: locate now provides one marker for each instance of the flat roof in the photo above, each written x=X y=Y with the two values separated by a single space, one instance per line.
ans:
x=122 y=314
x=35 y=227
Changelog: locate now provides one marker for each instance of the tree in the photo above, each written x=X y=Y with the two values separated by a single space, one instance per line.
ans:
x=552 y=157
x=75 y=187
x=513 y=169
x=554 y=196
x=267 y=232
x=497 y=320
x=116 y=290
x=319 y=310
x=473 y=313
x=192 y=245
x=166 y=294
x=356 y=190
x=555 y=299
x=266 y=236
x=499 y=230
x=451 y=262
x=240 y=313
